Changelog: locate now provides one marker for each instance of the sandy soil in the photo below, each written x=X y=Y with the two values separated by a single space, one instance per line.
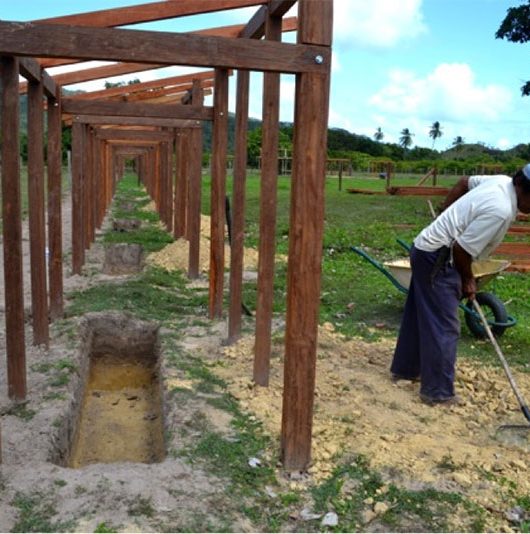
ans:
x=357 y=410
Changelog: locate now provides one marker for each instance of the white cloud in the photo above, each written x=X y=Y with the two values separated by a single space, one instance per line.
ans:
x=450 y=92
x=377 y=23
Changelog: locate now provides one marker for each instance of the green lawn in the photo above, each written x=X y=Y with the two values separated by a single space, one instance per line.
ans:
x=356 y=297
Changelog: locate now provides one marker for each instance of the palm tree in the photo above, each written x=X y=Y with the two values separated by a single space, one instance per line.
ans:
x=458 y=141
x=435 y=132
x=379 y=135
x=406 y=138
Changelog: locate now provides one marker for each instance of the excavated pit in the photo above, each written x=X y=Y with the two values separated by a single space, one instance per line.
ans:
x=117 y=412
x=123 y=258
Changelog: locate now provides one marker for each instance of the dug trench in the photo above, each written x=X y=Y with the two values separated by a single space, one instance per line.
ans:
x=117 y=409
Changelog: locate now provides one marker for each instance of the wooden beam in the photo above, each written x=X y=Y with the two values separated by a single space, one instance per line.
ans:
x=267 y=213
x=12 y=230
x=29 y=39
x=255 y=28
x=182 y=149
x=305 y=244
x=78 y=248
x=137 y=135
x=217 y=227
x=103 y=72
x=31 y=70
x=194 y=191
x=148 y=12
x=53 y=158
x=238 y=206
x=140 y=121
x=133 y=109
x=180 y=90
x=289 y=24
x=144 y=86
x=36 y=215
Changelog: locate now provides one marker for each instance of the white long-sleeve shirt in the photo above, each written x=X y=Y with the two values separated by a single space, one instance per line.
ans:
x=477 y=221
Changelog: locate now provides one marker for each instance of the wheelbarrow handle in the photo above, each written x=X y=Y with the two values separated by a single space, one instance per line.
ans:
x=380 y=268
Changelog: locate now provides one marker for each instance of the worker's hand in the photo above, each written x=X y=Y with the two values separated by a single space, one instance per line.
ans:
x=469 y=288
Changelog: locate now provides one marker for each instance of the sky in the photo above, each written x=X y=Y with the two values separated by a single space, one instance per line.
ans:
x=396 y=64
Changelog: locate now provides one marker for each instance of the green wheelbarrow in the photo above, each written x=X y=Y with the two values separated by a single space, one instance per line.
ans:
x=399 y=273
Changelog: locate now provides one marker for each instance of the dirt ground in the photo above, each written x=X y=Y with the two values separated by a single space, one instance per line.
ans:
x=358 y=410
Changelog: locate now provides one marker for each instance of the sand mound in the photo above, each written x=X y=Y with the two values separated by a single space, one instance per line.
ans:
x=175 y=255
x=359 y=410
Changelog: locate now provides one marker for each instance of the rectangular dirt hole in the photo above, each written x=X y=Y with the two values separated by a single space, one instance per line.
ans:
x=120 y=416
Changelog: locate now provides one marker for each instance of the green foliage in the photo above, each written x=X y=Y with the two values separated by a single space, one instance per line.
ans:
x=515 y=27
x=351 y=486
x=103 y=528
x=35 y=514
x=20 y=410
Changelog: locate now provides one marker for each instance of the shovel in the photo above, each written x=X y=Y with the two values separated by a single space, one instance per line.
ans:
x=517 y=392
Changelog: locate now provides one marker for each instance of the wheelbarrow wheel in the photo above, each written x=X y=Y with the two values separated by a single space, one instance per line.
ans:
x=493 y=309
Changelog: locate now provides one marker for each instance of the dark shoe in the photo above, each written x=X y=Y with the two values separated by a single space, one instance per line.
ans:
x=449 y=401
x=396 y=378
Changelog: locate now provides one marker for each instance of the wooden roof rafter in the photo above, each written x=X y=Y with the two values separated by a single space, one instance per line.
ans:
x=29 y=39
x=160 y=83
x=32 y=71
x=133 y=109
x=111 y=120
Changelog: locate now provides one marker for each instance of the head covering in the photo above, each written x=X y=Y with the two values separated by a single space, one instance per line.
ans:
x=526 y=171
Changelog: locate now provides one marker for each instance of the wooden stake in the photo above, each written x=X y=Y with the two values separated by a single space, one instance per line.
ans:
x=267 y=214
x=219 y=147
x=55 y=246
x=238 y=206
x=194 y=191
x=305 y=242
x=12 y=231
x=37 y=231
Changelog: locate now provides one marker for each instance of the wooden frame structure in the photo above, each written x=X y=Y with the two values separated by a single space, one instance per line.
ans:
x=159 y=125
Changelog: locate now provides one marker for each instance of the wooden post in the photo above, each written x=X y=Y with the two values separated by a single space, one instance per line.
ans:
x=238 y=206
x=340 y=175
x=305 y=240
x=78 y=247
x=87 y=187
x=181 y=183
x=168 y=178
x=37 y=230
x=194 y=191
x=12 y=231
x=55 y=242
x=267 y=213
x=217 y=227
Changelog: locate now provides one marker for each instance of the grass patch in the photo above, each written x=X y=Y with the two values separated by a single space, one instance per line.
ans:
x=36 y=513
x=354 y=488
x=20 y=410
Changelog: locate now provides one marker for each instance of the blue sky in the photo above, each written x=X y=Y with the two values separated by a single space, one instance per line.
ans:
x=396 y=64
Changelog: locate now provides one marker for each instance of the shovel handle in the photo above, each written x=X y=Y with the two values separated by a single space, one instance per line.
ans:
x=506 y=367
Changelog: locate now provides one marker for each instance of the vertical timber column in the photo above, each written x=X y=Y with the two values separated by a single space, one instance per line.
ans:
x=55 y=240
x=181 y=183
x=37 y=224
x=169 y=181
x=305 y=239
x=238 y=206
x=267 y=212
x=194 y=191
x=87 y=187
x=78 y=246
x=217 y=226
x=100 y=176
x=12 y=231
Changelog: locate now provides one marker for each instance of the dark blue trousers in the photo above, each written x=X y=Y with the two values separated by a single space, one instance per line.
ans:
x=430 y=327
